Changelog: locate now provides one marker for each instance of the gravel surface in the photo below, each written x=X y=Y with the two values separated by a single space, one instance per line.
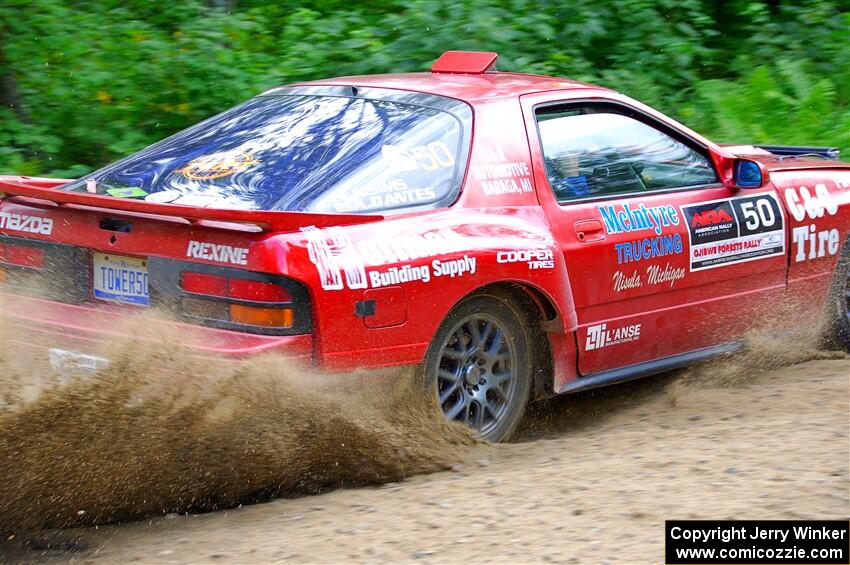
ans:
x=590 y=480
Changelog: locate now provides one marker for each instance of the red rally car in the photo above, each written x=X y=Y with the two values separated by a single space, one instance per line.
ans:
x=514 y=235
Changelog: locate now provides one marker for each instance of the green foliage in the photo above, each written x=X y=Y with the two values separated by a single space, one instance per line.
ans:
x=780 y=103
x=84 y=83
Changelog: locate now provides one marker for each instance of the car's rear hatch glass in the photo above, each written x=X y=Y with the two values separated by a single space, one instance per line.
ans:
x=306 y=149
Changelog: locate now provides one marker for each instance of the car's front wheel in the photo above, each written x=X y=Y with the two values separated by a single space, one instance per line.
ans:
x=479 y=366
x=840 y=301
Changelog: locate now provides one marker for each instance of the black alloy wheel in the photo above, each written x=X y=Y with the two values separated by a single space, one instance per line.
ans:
x=479 y=366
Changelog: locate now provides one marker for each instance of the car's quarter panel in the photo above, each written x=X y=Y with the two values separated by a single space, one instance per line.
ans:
x=818 y=210
x=425 y=264
x=650 y=279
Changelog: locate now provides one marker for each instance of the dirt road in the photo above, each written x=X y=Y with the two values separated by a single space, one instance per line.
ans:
x=591 y=480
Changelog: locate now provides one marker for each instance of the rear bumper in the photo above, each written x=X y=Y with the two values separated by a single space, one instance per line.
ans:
x=34 y=322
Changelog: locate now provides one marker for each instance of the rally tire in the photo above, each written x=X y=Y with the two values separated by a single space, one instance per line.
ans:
x=479 y=366
x=839 y=302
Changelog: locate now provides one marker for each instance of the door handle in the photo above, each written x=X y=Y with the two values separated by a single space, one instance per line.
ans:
x=589 y=230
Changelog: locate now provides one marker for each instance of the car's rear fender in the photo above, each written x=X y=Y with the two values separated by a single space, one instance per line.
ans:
x=381 y=291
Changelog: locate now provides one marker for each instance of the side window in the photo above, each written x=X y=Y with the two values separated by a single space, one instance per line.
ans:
x=598 y=152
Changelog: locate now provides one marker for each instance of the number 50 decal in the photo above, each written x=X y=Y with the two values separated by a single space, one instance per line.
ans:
x=430 y=157
x=758 y=213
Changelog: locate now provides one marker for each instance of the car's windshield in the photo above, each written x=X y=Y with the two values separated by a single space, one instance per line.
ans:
x=300 y=152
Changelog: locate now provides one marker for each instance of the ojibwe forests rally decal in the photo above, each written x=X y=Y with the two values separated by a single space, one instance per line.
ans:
x=734 y=230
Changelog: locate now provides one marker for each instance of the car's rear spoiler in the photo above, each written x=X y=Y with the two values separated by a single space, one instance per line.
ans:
x=830 y=153
x=44 y=189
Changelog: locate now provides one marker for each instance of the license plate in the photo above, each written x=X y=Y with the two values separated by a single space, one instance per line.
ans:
x=63 y=361
x=121 y=279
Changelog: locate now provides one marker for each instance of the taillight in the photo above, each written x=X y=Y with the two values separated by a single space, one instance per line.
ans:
x=237 y=300
x=21 y=255
x=45 y=269
x=258 y=291
x=202 y=283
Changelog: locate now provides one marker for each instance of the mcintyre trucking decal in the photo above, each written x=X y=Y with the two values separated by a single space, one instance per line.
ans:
x=649 y=248
x=734 y=230
x=807 y=241
x=342 y=264
x=626 y=218
x=653 y=275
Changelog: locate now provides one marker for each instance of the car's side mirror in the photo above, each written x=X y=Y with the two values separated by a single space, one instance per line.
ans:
x=739 y=173
x=749 y=174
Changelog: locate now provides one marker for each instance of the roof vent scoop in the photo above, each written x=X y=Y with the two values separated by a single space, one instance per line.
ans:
x=465 y=62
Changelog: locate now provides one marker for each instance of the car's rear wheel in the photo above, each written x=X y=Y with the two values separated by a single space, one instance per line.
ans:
x=479 y=366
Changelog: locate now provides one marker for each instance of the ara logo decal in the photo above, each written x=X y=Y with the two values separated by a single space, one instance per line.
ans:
x=24 y=223
x=711 y=217
x=600 y=336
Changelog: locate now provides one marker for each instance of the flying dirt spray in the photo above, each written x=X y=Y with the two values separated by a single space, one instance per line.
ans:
x=161 y=430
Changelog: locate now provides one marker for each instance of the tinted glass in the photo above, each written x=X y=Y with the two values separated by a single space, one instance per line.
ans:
x=299 y=153
x=590 y=153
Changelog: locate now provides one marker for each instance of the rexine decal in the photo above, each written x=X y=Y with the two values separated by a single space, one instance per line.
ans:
x=734 y=230
x=24 y=223
x=216 y=252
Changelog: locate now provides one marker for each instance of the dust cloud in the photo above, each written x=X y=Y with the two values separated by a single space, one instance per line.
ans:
x=162 y=431
x=763 y=353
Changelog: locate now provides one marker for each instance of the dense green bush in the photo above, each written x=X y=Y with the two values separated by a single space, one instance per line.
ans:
x=82 y=83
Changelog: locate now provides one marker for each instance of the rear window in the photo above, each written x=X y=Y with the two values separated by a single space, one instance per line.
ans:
x=345 y=151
